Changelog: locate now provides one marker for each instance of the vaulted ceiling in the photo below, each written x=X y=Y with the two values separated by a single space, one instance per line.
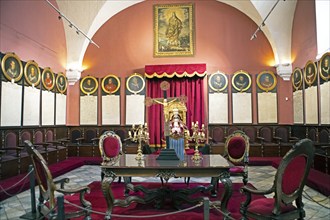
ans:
x=89 y=16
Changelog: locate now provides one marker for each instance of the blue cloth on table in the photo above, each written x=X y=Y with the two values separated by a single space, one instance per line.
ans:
x=178 y=146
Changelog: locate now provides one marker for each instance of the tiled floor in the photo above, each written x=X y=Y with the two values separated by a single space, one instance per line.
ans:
x=259 y=176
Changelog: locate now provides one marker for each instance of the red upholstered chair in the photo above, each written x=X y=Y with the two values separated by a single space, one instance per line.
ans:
x=48 y=206
x=288 y=186
x=110 y=146
x=237 y=151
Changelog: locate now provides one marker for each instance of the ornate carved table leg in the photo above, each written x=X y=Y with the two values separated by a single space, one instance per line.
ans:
x=107 y=191
x=225 y=180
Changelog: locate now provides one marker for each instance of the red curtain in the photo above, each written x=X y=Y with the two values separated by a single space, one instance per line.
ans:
x=191 y=87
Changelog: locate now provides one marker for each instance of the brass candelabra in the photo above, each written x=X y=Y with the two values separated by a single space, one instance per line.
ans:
x=198 y=136
x=139 y=134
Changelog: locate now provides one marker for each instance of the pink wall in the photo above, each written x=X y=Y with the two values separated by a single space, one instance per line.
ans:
x=32 y=30
x=222 y=42
x=304 y=41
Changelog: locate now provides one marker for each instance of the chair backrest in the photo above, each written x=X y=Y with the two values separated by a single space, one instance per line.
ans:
x=75 y=133
x=292 y=173
x=218 y=135
x=26 y=135
x=89 y=135
x=38 y=137
x=251 y=132
x=237 y=147
x=110 y=146
x=324 y=136
x=283 y=133
x=266 y=133
x=42 y=174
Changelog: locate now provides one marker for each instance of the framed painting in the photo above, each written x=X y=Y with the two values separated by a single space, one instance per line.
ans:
x=89 y=85
x=324 y=67
x=61 y=83
x=241 y=81
x=32 y=73
x=135 y=83
x=174 y=30
x=218 y=82
x=48 y=79
x=297 y=78
x=110 y=84
x=12 y=67
x=310 y=72
x=266 y=81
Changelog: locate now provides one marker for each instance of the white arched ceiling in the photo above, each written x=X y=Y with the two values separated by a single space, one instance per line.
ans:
x=89 y=16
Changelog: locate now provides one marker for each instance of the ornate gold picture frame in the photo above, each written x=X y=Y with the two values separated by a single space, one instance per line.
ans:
x=135 y=83
x=324 y=66
x=61 y=83
x=12 y=67
x=310 y=73
x=88 y=85
x=174 y=30
x=110 y=84
x=48 y=78
x=241 y=81
x=218 y=81
x=32 y=73
x=266 y=81
x=297 y=78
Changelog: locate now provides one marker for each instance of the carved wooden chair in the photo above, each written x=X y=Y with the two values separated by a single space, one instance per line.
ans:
x=288 y=186
x=237 y=152
x=269 y=144
x=284 y=139
x=217 y=140
x=47 y=206
x=110 y=148
x=11 y=155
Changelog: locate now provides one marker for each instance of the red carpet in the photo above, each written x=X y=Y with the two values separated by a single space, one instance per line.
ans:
x=98 y=203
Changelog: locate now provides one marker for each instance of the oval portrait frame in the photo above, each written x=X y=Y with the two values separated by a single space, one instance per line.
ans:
x=310 y=63
x=82 y=82
x=131 y=78
x=212 y=78
x=18 y=61
x=263 y=88
x=59 y=75
x=321 y=69
x=26 y=73
x=298 y=85
x=48 y=70
x=236 y=74
x=112 y=77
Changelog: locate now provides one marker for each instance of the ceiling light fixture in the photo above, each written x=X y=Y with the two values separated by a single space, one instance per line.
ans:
x=71 y=24
x=254 y=35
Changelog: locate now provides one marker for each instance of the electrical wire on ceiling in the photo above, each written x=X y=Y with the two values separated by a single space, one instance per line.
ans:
x=71 y=24
x=254 y=35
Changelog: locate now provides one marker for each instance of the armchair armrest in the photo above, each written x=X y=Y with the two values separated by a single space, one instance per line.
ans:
x=17 y=149
x=261 y=139
x=249 y=190
x=95 y=140
x=43 y=144
x=79 y=140
x=277 y=139
x=81 y=189
x=62 y=182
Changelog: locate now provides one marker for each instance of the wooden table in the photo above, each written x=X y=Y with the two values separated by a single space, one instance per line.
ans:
x=128 y=166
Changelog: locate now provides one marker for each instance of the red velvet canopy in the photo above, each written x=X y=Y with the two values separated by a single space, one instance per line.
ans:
x=178 y=70
x=184 y=79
